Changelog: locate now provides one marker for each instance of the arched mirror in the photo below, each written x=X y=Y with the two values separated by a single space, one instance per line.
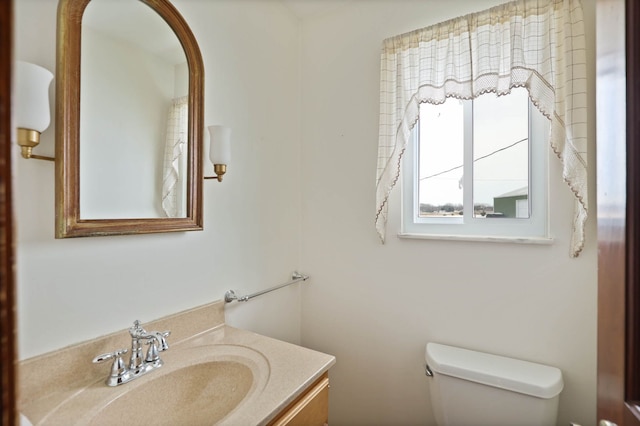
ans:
x=129 y=103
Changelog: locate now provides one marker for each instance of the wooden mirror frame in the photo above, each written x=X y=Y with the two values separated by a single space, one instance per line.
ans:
x=67 y=163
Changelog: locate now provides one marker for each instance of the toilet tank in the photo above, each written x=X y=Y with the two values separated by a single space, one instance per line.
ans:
x=479 y=389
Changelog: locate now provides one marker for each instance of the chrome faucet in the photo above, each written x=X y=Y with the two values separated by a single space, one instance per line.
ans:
x=157 y=343
x=138 y=366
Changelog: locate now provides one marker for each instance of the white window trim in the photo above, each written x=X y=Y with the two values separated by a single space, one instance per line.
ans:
x=534 y=230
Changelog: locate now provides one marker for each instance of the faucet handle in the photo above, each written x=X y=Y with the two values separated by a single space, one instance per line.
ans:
x=118 y=367
x=119 y=373
x=162 y=339
x=110 y=355
x=152 y=353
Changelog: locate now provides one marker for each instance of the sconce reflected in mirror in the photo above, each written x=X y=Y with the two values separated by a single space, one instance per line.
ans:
x=32 y=116
x=220 y=150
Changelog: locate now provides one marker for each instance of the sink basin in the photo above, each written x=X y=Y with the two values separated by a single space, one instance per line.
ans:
x=199 y=384
x=198 y=394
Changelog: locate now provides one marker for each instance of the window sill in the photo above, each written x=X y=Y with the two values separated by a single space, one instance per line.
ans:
x=480 y=238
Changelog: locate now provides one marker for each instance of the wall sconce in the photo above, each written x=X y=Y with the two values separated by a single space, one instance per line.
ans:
x=220 y=150
x=32 y=106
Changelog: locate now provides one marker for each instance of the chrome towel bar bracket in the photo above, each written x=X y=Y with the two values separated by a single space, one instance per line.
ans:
x=230 y=295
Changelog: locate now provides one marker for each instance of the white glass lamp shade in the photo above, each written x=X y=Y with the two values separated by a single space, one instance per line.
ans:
x=220 y=149
x=32 y=96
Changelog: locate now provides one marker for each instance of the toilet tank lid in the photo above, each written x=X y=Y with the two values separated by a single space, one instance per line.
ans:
x=525 y=377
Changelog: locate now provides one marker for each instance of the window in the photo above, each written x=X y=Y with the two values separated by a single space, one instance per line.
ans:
x=537 y=45
x=477 y=168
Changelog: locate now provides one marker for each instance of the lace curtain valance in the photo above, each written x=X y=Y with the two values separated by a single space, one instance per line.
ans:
x=536 y=44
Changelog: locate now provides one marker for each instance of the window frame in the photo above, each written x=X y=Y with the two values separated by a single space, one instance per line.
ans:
x=533 y=230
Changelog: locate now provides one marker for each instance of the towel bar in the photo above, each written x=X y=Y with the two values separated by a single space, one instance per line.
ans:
x=230 y=295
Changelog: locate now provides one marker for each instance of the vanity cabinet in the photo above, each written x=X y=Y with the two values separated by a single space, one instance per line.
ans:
x=309 y=409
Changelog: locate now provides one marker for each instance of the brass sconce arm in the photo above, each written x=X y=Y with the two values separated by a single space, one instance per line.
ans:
x=220 y=170
x=29 y=139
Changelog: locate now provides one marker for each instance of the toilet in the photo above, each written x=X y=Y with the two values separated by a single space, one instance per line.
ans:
x=479 y=389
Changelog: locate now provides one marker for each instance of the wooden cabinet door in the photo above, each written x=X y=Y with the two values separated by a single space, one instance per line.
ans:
x=310 y=409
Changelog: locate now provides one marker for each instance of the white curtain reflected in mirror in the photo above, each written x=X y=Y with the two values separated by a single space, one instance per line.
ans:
x=173 y=178
x=132 y=75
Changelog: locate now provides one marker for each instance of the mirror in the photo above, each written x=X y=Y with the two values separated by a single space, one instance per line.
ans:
x=129 y=119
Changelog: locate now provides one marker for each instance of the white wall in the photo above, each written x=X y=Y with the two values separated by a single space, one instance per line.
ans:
x=76 y=289
x=373 y=306
x=376 y=306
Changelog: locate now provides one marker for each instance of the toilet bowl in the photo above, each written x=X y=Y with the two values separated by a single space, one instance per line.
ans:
x=479 y=389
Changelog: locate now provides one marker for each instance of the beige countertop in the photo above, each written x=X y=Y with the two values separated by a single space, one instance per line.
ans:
x=64 y=387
